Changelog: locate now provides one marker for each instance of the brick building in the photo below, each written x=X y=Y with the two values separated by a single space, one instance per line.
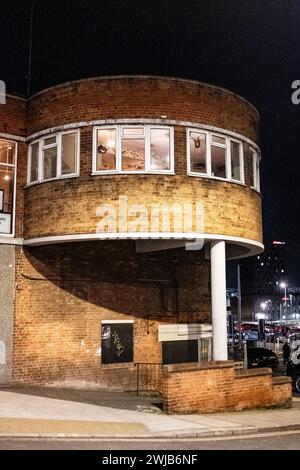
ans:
x=109 y=187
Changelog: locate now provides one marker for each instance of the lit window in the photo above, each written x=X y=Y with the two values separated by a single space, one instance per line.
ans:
x=136 y=149
x=7 y=185
x=133 y=149
x=106 y=149
x=160 y=149
x=198 y=153
x=53 y=157
x=34 y=162
x=254 y=170
x=69 y=143
x=236 y=160
x=215 y=156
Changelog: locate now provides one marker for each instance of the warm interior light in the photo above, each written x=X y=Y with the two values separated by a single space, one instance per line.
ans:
x=111 y=143
x=6 y=177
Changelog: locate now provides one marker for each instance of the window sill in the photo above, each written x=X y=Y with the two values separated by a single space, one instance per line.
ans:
x=256 y=190
x=101 y=173
x=35 y=183
x=215 y=178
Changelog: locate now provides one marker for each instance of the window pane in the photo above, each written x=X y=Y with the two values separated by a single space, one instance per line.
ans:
x=106 y=150
x=251 y=168
x=235 y=161
x=49 y=163
x=133 y=154
x=257 y=183
x=6 y=198
x=7 y=152
x=160 y=149
x=133 y=131
x=34 y=164
x=218 y=161
x=50 y=140
x=218 y=140
x=198 y=152
x=68 y=154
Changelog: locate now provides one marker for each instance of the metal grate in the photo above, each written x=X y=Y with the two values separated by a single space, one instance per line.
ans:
x=148 y=377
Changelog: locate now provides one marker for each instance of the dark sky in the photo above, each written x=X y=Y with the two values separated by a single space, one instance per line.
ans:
x=249 y=46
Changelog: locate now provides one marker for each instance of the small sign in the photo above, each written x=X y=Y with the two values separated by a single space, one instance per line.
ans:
x=5 y=222
x=1 y=199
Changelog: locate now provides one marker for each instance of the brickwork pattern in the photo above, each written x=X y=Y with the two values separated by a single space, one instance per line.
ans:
x=64 y=291
x=217 y=387
x=229 y=209
x=136 y=97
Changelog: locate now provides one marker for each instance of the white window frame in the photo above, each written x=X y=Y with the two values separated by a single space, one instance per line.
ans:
x=241 y=156
x=58 y=145
x=119 y=136
x=255 y=164
x=226 y=146
x=14 y=166
x=227 y=161
x=190 y=172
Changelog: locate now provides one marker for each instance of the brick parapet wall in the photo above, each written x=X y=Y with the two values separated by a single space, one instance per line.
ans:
x=13 y=119
x=141 y=97
x=216 y=386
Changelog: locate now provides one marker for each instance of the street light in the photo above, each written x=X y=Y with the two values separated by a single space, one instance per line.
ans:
x=283 y=285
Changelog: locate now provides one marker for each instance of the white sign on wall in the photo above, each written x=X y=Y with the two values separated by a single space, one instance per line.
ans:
x=5 y=223
x=1 y=199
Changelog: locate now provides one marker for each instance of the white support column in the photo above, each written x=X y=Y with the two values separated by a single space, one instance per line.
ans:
x=218 y=300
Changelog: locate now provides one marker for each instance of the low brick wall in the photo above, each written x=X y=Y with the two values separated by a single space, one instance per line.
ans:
x=216 y=386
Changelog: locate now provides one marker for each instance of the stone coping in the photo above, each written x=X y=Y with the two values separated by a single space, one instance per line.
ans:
x=283 y=379
x=190 y=366
x=240 y=374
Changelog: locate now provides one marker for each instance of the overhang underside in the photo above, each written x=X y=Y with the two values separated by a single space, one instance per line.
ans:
x=235 y=247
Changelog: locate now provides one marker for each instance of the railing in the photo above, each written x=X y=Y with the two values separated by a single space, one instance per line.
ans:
x=148 y=377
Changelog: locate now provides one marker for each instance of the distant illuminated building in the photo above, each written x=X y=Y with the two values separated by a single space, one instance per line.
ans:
x=261 y=277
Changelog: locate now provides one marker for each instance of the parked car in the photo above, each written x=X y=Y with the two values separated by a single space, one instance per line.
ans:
x=261 y=357
x=250 y=335
x=293 y=371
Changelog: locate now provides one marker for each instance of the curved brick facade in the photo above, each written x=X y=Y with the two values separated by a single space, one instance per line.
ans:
x=147 y=97
x=66 y=293
x=229 y=209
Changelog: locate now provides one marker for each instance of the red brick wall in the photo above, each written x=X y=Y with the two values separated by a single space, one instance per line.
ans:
x=216 y=386
x=64 y=291
x=135 y=97
x=13 y=116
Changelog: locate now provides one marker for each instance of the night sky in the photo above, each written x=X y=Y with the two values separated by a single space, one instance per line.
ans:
x=251 y=47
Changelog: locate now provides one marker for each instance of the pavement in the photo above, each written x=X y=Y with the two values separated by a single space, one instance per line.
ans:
x=47 y=412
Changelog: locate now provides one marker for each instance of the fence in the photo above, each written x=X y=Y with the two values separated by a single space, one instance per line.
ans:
x=148 y=377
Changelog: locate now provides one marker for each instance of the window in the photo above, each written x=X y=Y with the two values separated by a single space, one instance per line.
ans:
x=133 y=149
x=7 y=185
x=116 y=341
x=53 y=157
x=218 y=152
x=214 y=156
x=198 y=154
x=254 y=170
x=175 y=352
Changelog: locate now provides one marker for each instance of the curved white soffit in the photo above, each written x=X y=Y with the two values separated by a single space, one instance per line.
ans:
x=254 y=247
